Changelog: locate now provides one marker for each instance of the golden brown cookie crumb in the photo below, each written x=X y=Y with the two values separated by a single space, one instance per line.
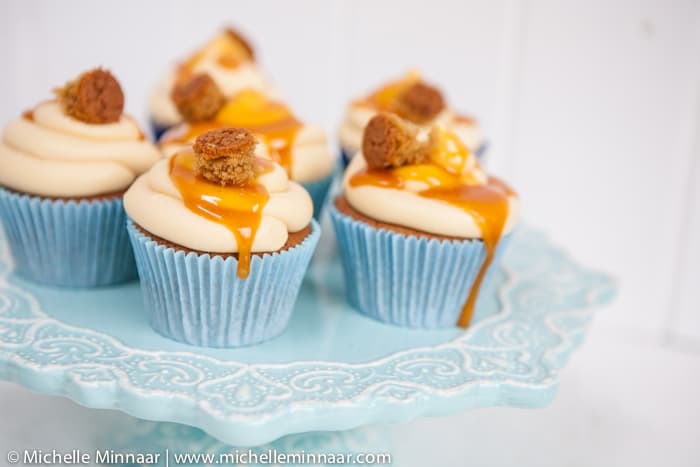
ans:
x=390 y=142
x=94 y=97
x=226 y=156
x=198 y=98
x=238 y=37
x=420 y=103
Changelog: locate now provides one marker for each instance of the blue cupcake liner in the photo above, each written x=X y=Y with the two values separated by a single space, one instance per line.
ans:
x=199 y=299
x=407 y=281
x=481 y=150
x=318 y=191
x=345 y=156
x=157 y=130
x=67 y=243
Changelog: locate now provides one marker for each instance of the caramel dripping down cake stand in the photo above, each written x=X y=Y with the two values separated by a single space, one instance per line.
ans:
x=330 y=373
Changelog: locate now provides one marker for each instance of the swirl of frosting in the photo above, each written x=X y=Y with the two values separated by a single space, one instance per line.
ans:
x=48 y=153
x=301 y=149
x=155 y=203
x=360 y=112
x=444 y=195
x=227 y=59
x=406 y=207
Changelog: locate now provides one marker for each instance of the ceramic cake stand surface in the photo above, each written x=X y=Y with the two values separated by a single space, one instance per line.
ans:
x=331 y=370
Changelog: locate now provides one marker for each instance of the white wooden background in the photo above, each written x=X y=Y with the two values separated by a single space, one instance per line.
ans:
x=592 y=108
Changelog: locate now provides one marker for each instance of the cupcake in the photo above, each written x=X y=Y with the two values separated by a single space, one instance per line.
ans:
x=228 y=58
x=64 y=166
x=301 y=149
x=412 y=99
x=419 y=225
x=222 y=240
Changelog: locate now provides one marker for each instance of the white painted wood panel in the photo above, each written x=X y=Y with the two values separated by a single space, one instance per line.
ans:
x=52 y=43
x=456 y=45
x=603 y=136
x=684 y=323
x=138 y=40
x=588 y=105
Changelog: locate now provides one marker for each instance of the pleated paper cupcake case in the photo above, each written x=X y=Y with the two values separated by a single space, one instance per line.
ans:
x=318 y=190
x=67 y=243
x=199 y=299
x=404 y=280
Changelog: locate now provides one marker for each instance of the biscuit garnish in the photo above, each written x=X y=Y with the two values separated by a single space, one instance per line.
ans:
x=226 y=156
x=390 y=142
x=198 y=98
x=420 y=103
x=93 y=97
x=238 y=37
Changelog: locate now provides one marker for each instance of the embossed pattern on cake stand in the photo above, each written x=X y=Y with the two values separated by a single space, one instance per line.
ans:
x=331 y=370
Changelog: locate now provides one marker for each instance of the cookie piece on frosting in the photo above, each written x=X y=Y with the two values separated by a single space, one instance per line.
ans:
x=238 y=37
x=391 y=142
x=420 y=103
x=93 y=97
x=226 y=156
x=198 y=98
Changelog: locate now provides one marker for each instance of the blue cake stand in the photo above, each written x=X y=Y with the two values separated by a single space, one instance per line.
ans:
x=332 y=370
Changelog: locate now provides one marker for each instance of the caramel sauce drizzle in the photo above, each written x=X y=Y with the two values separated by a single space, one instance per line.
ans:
x=272 y=121
x=238 y=208
x=449 y=182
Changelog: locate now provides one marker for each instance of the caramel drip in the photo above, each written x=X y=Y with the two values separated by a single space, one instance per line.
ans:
x=238 y=208
x=272 y=121
x=488 y=206
x=487 y=203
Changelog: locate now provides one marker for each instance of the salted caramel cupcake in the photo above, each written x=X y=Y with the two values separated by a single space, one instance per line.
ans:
x=412 y=99
x=222 y=240
x=419 y=224
x=228 y=58
x=64 y=166
x=299 y=148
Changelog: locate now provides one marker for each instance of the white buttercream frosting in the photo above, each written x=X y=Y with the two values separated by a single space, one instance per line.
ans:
x=311 y=159
x=407 y=208
x=155 y=203
x=53 y=154
x=359 y=114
